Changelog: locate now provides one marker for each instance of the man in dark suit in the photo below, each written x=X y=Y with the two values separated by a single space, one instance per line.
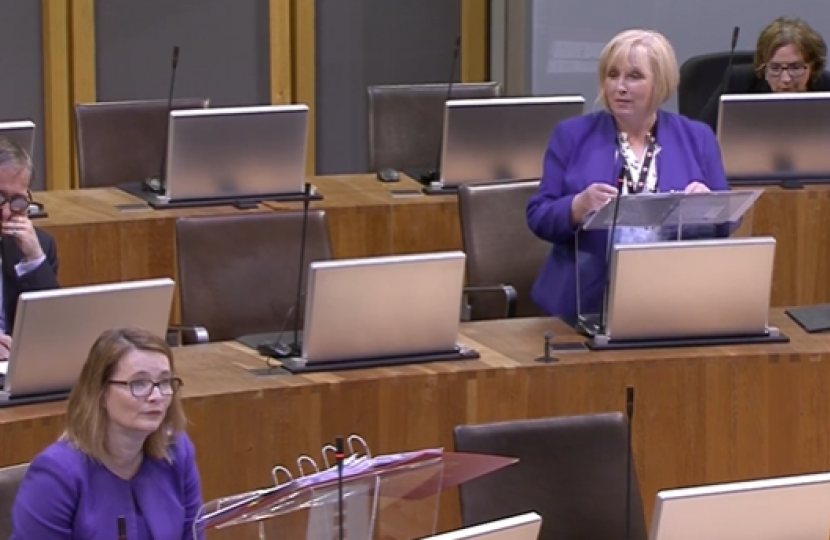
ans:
x=29 y=255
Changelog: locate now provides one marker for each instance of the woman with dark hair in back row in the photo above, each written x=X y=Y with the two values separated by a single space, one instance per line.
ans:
x=789 y=57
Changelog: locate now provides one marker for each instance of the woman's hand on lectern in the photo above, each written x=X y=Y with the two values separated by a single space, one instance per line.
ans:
x=5 y=346
x=591 y=199
x=697 y=187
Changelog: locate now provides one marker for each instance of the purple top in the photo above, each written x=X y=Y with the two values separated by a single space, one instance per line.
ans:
x=67 y=495
x=582 y=150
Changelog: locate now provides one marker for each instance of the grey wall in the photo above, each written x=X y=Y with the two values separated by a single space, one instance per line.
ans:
x=562 y=39
x=21 y=93
x=224 y=49
x=368 y=42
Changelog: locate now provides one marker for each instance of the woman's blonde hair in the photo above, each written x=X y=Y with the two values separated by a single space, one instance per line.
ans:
x=791 y=31
x=652 y=50
x=86 y=417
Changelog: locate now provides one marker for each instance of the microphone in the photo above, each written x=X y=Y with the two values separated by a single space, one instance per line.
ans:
x=157 y=185
x=339 y=456
x=610 y=250
x=629 y=412
x=435 y=175
x=122 y=528
x=546 y=357
x=296 y=347
x=725 y=84
x=276 y=348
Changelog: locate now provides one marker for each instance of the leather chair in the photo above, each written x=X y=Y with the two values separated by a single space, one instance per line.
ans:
x=123 y=141
x=501 y=249
x=405 y=122
x=238 y=273
x=701 y=75
x=10 y=478
x=571 y=471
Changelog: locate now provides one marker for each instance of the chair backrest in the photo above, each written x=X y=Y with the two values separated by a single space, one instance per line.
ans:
x=571 y=471
x=238 y=273
x=701 y=75
x=10 y=478
x=123 y=141
x=405 y=121
x=500 y=248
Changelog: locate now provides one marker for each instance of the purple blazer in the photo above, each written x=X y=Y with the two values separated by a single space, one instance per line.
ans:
x=67 y=495
x=581 y=152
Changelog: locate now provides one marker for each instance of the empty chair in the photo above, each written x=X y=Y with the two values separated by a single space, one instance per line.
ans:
x=123 y=141
x=571 y=471
x=405 y=122
x=238 y=273
x=500 y=248
x=10 y=478
x=701 y=75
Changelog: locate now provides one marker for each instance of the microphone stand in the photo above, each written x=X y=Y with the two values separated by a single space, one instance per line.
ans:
x=159 y=185
x=608 y=254
x=725 y=84
x=122 y=528
x=296 y=346
x=629 y=461
x=339 y=456
x=435 y=176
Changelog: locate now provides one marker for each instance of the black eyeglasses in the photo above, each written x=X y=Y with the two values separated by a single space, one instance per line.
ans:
x=144 y=387
x=18 y=204
x=795 y=70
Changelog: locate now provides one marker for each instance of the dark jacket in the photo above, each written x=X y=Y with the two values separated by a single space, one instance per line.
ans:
x=44 y=277
x=744 y=80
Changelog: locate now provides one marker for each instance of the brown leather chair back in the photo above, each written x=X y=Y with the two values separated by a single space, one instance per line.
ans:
x=405 y=122
x=238 y=273
x=501 y=249
x=10 y=478
x=571 y=471
x=123 y=141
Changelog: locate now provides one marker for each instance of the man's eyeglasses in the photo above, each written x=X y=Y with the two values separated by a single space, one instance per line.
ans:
x=145 y=387
x=18 y=204
x=795 y=70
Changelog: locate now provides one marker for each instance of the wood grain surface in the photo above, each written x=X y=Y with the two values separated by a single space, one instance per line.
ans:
x=702 y=415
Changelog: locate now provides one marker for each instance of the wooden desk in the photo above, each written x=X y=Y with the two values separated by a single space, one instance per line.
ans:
x=702 y=415
x=366 y=218
x=101 y=240
x=799 y=220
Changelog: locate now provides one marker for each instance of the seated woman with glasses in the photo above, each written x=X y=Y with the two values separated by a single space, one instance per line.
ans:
x=124 y=464
x=789 y=57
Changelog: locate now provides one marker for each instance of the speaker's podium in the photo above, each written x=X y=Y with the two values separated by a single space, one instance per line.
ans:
x=674 y=277
x=394 y=497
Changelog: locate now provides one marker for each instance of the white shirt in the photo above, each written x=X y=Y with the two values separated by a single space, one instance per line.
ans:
x=21 y=269
x=637 y=235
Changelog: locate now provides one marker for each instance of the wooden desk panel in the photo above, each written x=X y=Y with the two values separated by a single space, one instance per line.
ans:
x=702 y=415
x=367 y=219
x=800 y=222
x=100 y=243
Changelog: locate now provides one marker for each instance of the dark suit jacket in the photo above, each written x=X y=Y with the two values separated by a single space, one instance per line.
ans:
x=743 y=80
x=582 y=150
x=44 y=277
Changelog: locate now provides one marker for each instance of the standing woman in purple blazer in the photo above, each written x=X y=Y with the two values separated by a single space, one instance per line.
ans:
x=632 y=146
x=124 y=460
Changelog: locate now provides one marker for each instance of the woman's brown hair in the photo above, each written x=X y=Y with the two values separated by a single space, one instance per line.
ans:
x=86 y=417
x=791 y=31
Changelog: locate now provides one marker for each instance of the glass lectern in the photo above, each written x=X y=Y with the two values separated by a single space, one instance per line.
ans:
x=655 y=220
x=395 y=497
